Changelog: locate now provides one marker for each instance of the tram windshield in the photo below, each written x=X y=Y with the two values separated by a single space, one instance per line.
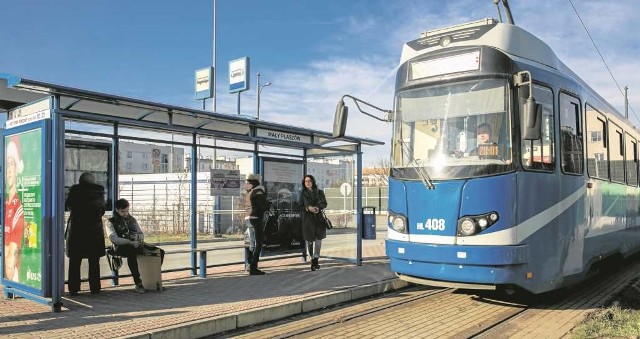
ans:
x=453 y=131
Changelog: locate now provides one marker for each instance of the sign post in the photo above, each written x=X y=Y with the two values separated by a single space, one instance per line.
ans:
x=345 y=189
x=239 y=77
x=204 y=84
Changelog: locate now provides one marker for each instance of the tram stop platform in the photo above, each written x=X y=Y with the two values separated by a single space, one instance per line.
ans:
x=190 y=306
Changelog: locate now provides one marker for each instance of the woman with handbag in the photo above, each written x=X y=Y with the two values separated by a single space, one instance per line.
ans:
x=312 y=201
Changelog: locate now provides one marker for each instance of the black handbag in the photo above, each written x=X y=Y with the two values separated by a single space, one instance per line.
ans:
x=324 y=220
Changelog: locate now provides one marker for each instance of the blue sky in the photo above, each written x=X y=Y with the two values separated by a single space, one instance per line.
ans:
x=312 y=51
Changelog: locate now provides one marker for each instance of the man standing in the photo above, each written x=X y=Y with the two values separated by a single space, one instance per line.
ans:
x=255 y=204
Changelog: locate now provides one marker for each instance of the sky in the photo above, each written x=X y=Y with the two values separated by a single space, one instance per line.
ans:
x=311 y=51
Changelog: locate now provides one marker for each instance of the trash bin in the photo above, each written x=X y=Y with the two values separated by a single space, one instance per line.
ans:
x=368 y=222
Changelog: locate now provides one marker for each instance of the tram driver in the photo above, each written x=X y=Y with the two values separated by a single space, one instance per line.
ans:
x=485 y=148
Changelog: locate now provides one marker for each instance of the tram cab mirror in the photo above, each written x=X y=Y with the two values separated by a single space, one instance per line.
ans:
x=340 y=119
x=532 y=118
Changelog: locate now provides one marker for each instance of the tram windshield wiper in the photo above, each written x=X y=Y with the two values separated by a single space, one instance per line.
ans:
x=420 y=169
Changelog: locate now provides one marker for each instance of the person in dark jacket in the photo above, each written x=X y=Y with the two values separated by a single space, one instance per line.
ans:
x=128 y=240
x=85 y=234
x=312 y=202
x=255 y=204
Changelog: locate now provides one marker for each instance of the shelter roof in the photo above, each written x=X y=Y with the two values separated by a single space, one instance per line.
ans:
x=95 y=106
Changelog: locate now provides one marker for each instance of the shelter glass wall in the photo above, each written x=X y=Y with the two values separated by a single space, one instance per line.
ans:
x=337 y=177
x=221 y=174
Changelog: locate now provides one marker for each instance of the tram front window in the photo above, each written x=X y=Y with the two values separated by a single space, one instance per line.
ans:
x=454 y=131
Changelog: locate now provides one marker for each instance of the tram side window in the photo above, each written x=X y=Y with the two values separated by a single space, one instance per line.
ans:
x=631 y=150
x=570 y=135
x=616 y=153
x=597 y=157
x=540 y=154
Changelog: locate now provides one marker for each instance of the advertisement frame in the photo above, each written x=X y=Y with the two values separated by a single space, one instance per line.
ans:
x=274 y=187
x=10 y=286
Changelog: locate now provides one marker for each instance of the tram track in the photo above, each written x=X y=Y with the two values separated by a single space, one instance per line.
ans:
x=420 y=311
x=449 y=302
x=345 y=318
x=340 y=313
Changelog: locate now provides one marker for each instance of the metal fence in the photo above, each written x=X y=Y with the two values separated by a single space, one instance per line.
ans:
x=156 y=216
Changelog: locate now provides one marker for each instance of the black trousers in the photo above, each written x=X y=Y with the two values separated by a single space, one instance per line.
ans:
x=255 y=256
x=131 y=253
x=74 y=274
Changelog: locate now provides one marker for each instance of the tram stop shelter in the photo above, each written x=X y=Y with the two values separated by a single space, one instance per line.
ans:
x=46 y=123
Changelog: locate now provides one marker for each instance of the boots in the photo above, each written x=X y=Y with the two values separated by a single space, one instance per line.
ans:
x=314 y=264
x=253 y=270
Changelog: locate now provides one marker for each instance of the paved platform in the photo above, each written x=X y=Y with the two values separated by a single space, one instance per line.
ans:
x=194 y=307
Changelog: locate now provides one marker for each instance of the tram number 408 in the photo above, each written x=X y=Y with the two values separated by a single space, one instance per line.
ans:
x=432 y=224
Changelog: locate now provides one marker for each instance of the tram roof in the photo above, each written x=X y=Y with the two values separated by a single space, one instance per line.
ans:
x=95 y=106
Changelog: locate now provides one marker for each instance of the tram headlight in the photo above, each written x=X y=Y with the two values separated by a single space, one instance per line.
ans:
x=467 y=226
x=473 y=224
x=398 y=223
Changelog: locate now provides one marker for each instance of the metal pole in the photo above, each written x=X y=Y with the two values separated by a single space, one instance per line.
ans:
x=56 y=208
x=215 y=38
x=258 y=96
x=626 y=102
x=193 y=208
x=359 y=206
x=239 y=103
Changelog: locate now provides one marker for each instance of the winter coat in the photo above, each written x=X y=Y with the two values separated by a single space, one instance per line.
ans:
x=122 y=231
x=312 y=227
x=85 y=234
x=255 y=202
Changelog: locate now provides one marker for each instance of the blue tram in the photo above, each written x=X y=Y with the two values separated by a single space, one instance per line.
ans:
x=507 y=170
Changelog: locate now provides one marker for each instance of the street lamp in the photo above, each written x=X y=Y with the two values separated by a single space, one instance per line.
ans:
x=259 y=88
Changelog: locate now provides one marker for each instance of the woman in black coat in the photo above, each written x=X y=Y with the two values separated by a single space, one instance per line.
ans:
x=312 y=202
x=85 y=234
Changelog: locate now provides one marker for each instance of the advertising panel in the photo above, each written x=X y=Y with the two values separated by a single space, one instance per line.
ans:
x=225 y=182
x=23 y=208
x=283 y=182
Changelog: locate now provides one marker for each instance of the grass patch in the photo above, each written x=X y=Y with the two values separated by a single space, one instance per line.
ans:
x=610 y=322
x=620 y=319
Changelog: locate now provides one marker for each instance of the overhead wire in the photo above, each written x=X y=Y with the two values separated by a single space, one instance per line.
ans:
x=602 y=57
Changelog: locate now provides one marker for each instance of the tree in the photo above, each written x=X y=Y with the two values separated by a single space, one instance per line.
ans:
x=379 y=174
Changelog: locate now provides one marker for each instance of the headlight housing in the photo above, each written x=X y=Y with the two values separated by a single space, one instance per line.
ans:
x=398 y=223
x=474 y=224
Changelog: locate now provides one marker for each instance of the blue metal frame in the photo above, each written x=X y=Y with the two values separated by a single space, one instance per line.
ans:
x=194 y=203
x=15 y=288
x=57 y=138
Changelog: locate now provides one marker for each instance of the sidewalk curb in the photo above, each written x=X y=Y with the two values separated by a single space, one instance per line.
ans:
x=230 y=322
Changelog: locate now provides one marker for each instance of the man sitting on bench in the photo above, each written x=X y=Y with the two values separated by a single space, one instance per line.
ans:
x=128 y=240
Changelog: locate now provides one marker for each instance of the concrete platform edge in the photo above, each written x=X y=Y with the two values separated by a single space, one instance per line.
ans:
x=216 y=325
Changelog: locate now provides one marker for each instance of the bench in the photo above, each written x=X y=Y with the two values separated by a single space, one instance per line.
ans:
x=202 y=255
